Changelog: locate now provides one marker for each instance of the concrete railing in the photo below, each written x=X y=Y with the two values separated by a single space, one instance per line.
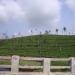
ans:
x=46 y=66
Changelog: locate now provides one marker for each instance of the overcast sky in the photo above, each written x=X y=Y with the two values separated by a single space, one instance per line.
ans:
x=37 y=15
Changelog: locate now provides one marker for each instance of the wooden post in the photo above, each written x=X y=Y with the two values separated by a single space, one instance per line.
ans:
x=15 y=65
x=73 y=65
x=46 y=68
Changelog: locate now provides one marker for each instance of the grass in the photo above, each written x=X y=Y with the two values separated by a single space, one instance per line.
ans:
x=22 y=63
x=30 y=63
x=5 y=62
x=39 y=46
x=60 y=63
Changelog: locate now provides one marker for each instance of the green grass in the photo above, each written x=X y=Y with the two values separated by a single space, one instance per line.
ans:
x=30 y=63
x=5 y=62
x=39 y=46
x=22 y=63
x=60 y=63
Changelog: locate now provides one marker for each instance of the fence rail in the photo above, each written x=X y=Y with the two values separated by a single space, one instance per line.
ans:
x=46 y=67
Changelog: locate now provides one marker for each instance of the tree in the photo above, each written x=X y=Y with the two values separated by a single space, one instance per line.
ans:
x=31 y=32
x=57 y=31
x=46 y=32
x=5 y=36
x=40 y=32
x=49 y=31
x=64 y=29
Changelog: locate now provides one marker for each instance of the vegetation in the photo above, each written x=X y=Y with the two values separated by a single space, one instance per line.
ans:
x=39 y=46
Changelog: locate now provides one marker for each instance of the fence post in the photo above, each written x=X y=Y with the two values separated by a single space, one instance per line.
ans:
x=46 y=66
x=73 y=65
x=15 y=64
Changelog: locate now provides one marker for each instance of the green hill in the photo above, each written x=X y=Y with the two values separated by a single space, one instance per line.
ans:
x=39 y=45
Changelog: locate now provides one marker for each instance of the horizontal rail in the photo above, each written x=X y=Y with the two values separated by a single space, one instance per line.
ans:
x=41 y=59
x=32 y=58
x=36 y=59
x=60 y=59
x=35 y=73
x=5 y=66
x=41 y=67
x=36 y=67
x=24 y=67
x=60 y=67
x=5 y=57
x=31 y=67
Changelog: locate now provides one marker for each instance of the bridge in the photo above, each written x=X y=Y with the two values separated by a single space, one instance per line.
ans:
x=36 y=66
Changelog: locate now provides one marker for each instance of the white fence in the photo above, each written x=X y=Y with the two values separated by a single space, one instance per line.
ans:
x=46 y=66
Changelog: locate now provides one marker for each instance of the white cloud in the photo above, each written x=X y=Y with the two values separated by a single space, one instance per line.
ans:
x=2 y=13
x=41 y=11
x=35 y=12
x=10 y=9
x=71 y=4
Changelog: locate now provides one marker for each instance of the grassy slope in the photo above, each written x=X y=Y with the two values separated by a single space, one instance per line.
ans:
x=46 y=46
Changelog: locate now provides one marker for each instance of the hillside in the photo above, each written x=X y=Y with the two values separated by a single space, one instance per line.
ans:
x=39 y=45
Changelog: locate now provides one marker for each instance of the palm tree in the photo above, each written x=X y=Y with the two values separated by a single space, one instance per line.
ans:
x=31 y=32
x=40 y=32
x=5 y=35
x=57 y=31
x=64 y=29
x=49 y=31
x=46 y=32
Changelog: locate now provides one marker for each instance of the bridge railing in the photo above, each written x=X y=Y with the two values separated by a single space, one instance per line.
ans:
x=48 y=64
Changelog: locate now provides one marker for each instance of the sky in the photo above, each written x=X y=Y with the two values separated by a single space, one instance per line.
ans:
x=22 y=16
